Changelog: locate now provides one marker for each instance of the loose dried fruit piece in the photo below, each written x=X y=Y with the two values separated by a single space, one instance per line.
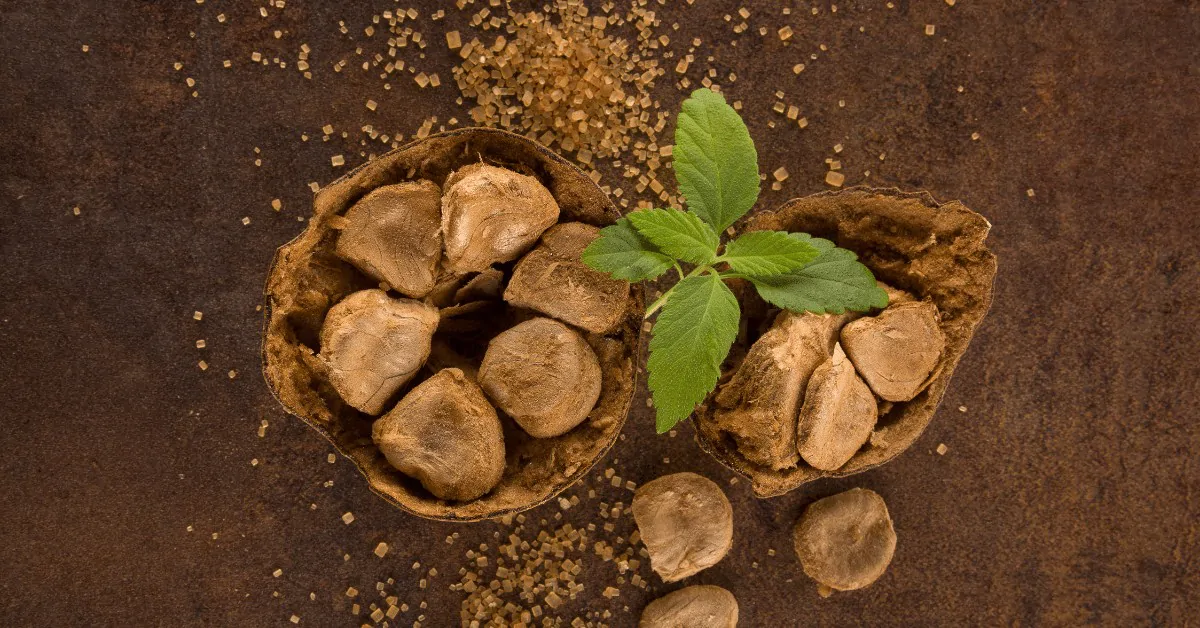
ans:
x=896 y=351
x=543 y=374
x=552 y=280
x=697 y=606
x=758 y=406
x=845 y=541
x=373 y=345
x=838 y=414
x=492 y=215
x=393 y=234
x=445 y=434
x=686 y=522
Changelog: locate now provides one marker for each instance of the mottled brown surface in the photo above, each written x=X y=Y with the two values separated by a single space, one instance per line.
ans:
x=1069 y=493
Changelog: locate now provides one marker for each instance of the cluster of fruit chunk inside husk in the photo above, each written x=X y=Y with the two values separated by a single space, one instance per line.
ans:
x=445 y=252
x=436 y=323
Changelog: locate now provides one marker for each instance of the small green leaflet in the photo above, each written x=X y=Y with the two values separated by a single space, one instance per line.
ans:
x=677 y=233
x=691 y=338
x=832 y=283
x=714 y=160
x=623 y=253
x=820 y=244
x=765 y=253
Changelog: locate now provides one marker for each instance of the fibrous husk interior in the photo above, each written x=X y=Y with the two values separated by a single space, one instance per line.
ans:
x=307 y=278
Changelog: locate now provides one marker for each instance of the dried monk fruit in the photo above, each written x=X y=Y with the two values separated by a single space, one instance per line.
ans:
x=393 y=234
x=686 y=523
x=492 y=215
x=443 y=424
x=543 y=374
x=697 y=606
x=758 y=406
x=373 y=345
x=845 y=541
x=486 y=286
x=896 y=351
x=552 y=280
x=445 y=434
x=838 y=415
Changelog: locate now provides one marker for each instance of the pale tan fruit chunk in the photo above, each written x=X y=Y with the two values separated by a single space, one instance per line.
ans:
x=543 y=374
x=373 y=345
x=393 y=234
x=445 y=434
x=697 y=606
x=896 y=351
x=686 y=523
x=845 y=541
x=838 y=415
x=492 y=215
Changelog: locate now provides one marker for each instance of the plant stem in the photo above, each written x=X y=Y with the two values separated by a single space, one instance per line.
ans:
x=661 y=301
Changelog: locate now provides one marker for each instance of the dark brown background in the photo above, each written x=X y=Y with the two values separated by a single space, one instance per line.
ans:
x=1070 y=492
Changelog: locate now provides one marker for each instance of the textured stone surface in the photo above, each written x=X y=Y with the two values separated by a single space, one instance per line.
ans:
x=1073 y=470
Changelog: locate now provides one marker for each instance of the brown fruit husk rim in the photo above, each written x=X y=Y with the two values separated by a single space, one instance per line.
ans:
x=934 y=250
x=306 y=278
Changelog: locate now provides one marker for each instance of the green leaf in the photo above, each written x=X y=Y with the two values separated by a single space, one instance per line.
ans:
x=677 y=233
x=691 y=338
x=832 y=283
x=765 y=253
x=623 y=253
x=714 y=160
x=820 y=244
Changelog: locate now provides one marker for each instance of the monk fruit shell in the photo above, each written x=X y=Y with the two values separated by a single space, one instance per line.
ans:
x=394 y=235
x=552 y=280
x=307 y=278
x=686 y=523
x=846 y=541
x=543 y=374
x=838 y=414
x=896 y=351
x=492 y=215
x=445 y=434
x=697 y=606
x=934 y=251
x=373 y=345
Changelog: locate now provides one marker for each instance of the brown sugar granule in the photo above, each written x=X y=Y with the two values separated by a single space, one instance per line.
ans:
x=561 y=77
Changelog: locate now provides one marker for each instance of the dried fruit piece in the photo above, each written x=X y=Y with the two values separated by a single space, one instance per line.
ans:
x=686 y=522
x=486 y=286
x=445 y=434
x=838 y=415
x=896 y=351
x=543 y=374
x=552 y=280
x=374 y=344
x=845 y=541
x=393 y=234
x=492 y=215
x=697 y=606
x=758 y=406
x=895 y=295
